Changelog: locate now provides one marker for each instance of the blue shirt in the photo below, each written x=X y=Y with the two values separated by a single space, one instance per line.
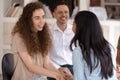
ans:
x=81 y=70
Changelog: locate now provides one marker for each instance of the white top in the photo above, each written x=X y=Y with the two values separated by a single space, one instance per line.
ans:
x=60 y=54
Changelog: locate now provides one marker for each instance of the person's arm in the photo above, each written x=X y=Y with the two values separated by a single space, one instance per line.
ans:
x=55 y=65
x=65 y=71
x=38 y=69
x=19 y=47
x=48 y=65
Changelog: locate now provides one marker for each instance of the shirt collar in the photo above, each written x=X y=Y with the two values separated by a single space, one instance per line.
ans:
x=57 y=28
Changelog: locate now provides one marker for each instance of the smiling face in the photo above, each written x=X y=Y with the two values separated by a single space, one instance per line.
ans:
x=61 y=13
x=38 y=19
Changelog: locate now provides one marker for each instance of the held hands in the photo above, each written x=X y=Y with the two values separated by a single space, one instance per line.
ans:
x=66 y=73
x=59 y=77
x=68 y=77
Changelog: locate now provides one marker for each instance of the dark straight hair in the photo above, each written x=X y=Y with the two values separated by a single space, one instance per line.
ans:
x=60 y=3
x=89 y=35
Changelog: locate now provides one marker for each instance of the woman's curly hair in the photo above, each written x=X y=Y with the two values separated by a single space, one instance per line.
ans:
x=39 y=42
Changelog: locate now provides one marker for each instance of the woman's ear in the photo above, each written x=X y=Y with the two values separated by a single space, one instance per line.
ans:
x=74 y=27
x=54 y=14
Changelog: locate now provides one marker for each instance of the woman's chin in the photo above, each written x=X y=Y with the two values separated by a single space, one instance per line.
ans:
x=40 y=29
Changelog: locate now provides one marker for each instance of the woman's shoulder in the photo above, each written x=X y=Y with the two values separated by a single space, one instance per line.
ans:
x=77 y=48
x=77 y=51
x=16 y=36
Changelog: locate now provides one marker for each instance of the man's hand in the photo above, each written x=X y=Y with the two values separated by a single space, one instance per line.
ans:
x=66 y=72
x=68 y=77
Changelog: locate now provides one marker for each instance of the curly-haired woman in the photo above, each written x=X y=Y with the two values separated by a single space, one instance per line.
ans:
x=30 y=44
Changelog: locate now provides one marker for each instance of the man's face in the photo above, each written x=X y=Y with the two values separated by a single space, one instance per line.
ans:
x=61 y=13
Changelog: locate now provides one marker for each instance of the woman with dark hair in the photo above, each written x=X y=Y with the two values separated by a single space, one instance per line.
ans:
x=93 y=56
x=30 y=44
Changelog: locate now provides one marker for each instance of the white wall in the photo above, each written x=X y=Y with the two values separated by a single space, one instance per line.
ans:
x=1 y=33
x=84 y=5
x=6 y=5
x=28 y=1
